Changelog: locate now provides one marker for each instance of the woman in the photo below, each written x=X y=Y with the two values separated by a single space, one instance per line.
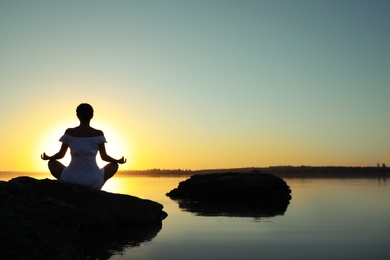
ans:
x=84 y=143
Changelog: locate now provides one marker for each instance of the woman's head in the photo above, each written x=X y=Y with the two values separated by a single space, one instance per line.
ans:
x=84 y=112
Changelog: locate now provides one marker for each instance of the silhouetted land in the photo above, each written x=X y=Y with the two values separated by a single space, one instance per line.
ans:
x=280 y=171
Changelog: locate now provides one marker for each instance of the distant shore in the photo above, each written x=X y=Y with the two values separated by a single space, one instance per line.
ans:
x=280 y=171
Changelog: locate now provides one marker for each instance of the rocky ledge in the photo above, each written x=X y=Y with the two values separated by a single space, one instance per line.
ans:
x=48 y=219
x=233 y=194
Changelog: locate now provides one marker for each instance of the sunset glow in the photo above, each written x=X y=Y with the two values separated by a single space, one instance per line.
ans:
x=198 y=84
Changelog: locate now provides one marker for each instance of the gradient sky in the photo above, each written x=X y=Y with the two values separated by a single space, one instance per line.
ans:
x=198 y=84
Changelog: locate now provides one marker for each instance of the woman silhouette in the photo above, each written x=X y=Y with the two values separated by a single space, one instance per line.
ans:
x=84 y=143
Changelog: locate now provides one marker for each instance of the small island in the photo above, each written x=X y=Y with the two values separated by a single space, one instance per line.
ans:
x=234 y=194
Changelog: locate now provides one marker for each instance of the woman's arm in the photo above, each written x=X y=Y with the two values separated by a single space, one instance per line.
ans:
x=59 y=155
x=106 y=157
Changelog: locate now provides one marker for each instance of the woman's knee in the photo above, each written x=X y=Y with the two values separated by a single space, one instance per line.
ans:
x=56 y=168
x=112 y=167
x=109 y=170
x=115 y=166
x=52 y=165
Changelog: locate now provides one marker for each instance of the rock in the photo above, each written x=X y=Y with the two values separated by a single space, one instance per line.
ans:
x=47 y=219
x=233 y=194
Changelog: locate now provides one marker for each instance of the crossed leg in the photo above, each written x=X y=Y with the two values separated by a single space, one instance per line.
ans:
x=110 y=170
x=56 y=168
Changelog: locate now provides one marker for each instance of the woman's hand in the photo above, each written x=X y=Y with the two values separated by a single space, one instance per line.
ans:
x=44 y=156
x=59 y=155
x=121 y=160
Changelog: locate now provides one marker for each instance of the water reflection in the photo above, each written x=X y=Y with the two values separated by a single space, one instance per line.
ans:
x=382 y=180
x=329 y=218
x=264 y=209
x=103 y=244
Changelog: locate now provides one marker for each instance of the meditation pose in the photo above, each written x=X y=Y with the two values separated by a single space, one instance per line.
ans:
x=84 y=143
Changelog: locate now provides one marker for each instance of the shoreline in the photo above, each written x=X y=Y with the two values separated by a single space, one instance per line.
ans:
x=280 y=171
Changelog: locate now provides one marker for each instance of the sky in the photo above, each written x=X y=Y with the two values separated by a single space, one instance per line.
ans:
x=198 y=84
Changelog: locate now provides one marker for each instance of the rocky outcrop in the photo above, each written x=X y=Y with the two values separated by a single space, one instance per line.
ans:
x=233 y=194
x=47 y=219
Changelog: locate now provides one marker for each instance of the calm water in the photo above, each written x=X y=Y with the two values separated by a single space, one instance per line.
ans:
x=326 y=219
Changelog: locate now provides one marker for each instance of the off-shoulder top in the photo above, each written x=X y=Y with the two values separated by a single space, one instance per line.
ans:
x=83 y=168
